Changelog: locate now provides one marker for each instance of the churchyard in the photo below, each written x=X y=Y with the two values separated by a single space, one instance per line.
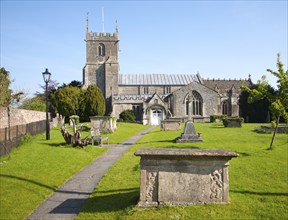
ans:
x=257 y=177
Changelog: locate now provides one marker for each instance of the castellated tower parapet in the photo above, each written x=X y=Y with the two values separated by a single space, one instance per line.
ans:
x=102 y=65
x=101 y=36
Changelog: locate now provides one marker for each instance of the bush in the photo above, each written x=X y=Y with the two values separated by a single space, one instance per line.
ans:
x=233 y=122
x=26 y=138
x=128 y=115
x=213 y=118
x=92 y=103
x=263 y=130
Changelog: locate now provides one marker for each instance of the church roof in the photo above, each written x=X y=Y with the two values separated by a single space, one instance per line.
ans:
x=226 y=85
x=157 y=79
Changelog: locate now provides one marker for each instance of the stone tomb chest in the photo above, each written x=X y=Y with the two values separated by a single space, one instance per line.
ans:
x=183 y=176
x=105 y=124
x=170 y=124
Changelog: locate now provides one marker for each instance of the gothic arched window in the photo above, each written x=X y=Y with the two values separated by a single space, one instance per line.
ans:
x=225 y=107
x=101 y=50
x=196 y=104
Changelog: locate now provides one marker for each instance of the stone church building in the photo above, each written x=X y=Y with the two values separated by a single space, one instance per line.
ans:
x=154 y=97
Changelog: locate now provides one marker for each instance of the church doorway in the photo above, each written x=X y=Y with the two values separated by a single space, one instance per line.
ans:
x=156 y=117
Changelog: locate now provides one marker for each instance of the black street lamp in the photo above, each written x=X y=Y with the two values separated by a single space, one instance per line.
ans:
x=46 y=77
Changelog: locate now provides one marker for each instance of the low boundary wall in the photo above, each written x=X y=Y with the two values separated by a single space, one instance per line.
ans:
x=21 y=122
x=11 y=139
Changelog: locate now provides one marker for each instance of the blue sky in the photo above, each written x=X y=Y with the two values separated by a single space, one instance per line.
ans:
x=218 y=39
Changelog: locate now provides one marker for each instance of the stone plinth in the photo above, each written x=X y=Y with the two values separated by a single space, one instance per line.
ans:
x=189 y=134
x=170 y=124
x=282 y=129
x=105 y=124
x=183 y=176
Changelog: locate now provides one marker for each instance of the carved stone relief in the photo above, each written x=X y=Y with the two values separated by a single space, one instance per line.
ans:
x=216 y=184
x=151 y=187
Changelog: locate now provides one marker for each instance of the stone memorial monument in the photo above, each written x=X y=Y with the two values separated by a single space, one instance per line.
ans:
x=183 y=176
x=105 y=124
x=189 y=133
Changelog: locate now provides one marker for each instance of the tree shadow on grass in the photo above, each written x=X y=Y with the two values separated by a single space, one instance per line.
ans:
x=217 y=126
x=27 y=180
x=61 y=144
x=259 y=193
x=162 y=141
x=243 y=154
x=114 y=201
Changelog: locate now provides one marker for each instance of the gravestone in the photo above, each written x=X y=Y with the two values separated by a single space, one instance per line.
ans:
x=106 y=124
x=170 y=124
x=189 y=134
x=183 y=176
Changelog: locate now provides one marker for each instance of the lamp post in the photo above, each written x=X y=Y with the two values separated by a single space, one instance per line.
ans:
x=46 y=77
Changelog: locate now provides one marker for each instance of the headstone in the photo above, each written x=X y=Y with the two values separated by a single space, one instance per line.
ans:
x=170 y=124
x=189 y=134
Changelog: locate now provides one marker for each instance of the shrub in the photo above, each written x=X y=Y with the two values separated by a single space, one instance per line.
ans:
x=233 y=122
x=263 y=130
x=92 y=103
x=213 y=118
x=128 y=115
x=26 y=138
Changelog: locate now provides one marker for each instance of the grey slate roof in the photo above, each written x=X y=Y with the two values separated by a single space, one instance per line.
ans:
x=157 y=79
x=225 y=85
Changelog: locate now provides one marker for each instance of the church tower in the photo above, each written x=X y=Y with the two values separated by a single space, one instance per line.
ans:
x=102 y=65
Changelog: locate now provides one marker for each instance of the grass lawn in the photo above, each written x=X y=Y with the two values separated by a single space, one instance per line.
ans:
x=258 y=178
x=37 y=168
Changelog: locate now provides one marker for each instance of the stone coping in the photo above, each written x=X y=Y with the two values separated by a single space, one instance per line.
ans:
x=172 y=152
x=101 y=117
x=171 y=120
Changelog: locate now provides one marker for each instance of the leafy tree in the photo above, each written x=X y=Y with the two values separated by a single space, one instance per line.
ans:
x=73 y=83
x=92 y=103
x=278 y=100
x=7 y=97
x=66 y=101
x=5 y=82
x=255 y=112
x=36 y=103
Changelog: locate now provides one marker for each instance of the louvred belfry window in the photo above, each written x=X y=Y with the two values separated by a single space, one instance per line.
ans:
x=101 y=50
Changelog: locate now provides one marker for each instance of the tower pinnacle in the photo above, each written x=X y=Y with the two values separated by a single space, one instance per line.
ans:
x=117 y=26
x=87 y=28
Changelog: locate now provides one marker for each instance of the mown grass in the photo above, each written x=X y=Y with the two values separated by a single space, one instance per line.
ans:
x=258 y=178
x=37 y=168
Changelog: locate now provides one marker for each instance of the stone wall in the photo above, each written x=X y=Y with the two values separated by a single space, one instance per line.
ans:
x=20 y=117
x=139 y=89
x=211 y=100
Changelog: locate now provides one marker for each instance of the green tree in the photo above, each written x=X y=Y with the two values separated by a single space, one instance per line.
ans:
x=36 y=103
x=255 y=112
x=5 y=82
x=278 y=100
x=7 y=97
x=92 y=103
x=66 y=101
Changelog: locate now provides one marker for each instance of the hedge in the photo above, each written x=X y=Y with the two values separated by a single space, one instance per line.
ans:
x=233 y=122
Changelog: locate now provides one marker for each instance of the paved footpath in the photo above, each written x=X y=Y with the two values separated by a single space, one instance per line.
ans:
x=68 y=200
